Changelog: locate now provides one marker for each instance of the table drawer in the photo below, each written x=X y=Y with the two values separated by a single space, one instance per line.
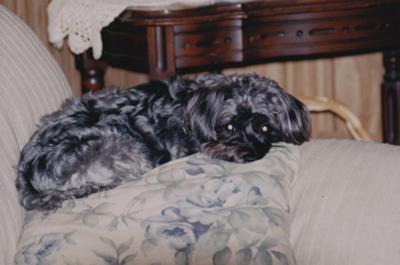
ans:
x=208 y=43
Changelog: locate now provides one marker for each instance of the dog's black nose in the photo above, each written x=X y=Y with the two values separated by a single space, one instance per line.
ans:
x=250 y=157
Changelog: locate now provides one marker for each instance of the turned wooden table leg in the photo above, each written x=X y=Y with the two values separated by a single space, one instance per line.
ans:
x=92 y=72
x=391 y=97
x=161 y=52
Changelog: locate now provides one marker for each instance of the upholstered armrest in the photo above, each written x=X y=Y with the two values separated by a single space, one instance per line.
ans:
x=345 y=204
x=31 y=85
x=11 y=214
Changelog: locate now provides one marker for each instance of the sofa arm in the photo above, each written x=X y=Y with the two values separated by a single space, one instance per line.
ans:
x=345 y=204
x=32 y=84
x=11 y=213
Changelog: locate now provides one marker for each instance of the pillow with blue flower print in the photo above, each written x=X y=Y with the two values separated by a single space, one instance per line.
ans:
x=194 y=210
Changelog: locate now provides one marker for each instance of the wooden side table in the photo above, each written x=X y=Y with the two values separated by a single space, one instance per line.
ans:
x=164 y=43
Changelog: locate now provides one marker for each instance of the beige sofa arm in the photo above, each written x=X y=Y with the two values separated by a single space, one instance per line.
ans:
x=345 y=204
x=31 y=85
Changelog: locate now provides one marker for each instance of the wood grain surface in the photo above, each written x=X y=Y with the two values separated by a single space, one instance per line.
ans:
x=352 y=80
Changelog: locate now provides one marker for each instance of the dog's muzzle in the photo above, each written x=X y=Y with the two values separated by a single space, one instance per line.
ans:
x=232 y=153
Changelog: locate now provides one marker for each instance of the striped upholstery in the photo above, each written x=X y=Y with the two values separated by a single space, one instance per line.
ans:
x=31 y=84
x=346 y=204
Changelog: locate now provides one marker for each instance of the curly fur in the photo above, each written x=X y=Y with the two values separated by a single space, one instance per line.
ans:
x=108 y=138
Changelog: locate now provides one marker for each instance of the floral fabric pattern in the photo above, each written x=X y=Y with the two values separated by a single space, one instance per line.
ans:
x=190 y=211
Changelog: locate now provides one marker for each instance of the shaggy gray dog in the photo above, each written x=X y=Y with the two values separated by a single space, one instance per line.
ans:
x=108 y=138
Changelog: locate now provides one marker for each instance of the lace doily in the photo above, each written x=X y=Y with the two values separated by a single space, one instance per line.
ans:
x=81 y=21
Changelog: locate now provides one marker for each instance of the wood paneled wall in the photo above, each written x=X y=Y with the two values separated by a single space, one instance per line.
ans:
x=353 y=80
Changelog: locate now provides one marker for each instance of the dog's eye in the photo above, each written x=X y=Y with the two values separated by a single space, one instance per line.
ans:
x=264 y=128
x=230 y=127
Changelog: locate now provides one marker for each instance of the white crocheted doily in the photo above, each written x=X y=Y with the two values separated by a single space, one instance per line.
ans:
x=81 y=21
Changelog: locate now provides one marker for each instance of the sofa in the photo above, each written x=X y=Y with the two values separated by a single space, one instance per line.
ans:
x=340 y=204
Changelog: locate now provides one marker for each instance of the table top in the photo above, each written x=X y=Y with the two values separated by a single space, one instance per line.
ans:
x=251 y=7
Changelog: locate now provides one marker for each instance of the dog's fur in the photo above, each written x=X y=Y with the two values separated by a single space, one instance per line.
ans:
x=108 y=138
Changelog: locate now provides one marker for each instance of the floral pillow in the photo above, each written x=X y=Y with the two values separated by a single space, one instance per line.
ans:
x=190 y=211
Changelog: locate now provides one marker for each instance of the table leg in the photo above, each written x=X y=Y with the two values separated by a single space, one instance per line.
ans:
x=92 y=72
x=161 y=52
x=391 y=97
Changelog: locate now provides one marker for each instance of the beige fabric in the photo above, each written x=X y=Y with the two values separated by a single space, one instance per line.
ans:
x=31 y=84
x=345 y=204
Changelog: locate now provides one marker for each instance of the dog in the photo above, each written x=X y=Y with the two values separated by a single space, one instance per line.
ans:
x=108 y=138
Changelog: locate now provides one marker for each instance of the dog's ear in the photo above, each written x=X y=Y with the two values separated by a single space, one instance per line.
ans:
x=295 y=120
x=180 y=88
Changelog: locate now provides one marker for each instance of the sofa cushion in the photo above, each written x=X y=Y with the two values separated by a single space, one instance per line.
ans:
x=31 y=85
x=345 y=204
x=189 y=211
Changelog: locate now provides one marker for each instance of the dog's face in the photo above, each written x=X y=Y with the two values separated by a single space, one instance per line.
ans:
x=239 y=117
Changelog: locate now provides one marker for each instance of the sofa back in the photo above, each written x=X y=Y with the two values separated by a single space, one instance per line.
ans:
x=31 y=85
